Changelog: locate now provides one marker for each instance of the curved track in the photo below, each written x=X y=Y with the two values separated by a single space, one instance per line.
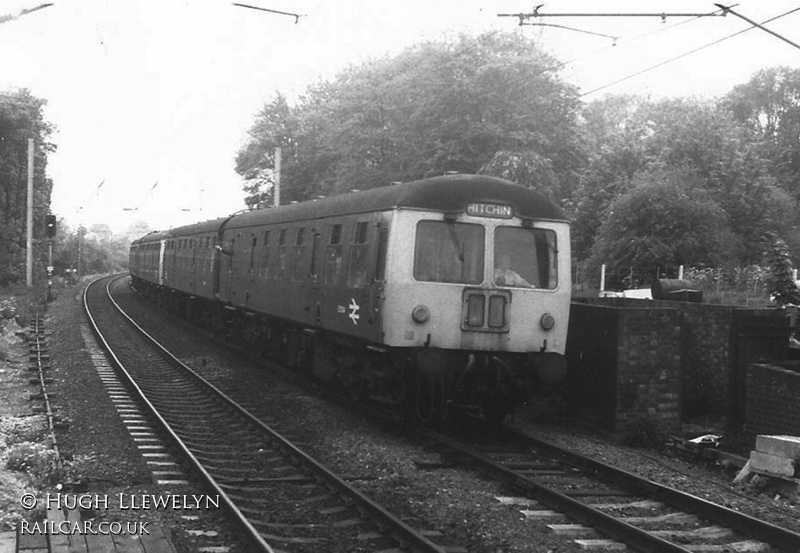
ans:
x=278 y=494
x=611 y=506
x=587 y=501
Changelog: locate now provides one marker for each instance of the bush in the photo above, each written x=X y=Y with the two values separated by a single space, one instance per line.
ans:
x=37 y=460
x=8 y=309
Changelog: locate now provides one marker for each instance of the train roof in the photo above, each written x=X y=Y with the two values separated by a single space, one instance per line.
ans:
x=153 y=236
x=449 y=193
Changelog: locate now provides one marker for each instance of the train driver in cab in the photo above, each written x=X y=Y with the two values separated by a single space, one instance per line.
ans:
x=504 y=275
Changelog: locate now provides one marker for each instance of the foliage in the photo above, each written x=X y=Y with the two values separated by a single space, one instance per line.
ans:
x=21 y=119
x=629 y=138
x=666 y=220
x=93 y=250
x=780 y=279
x=491 y=103
x=615 y=130
x=35 y=459
x=768 y=105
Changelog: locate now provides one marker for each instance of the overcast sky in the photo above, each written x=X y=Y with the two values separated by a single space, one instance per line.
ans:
x=164 y=91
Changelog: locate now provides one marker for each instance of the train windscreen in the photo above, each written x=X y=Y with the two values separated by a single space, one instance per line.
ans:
x=449 y=252
x=525 y=258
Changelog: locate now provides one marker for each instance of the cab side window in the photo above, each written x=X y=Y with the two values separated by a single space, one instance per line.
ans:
x=333 y=255
x=358 y=266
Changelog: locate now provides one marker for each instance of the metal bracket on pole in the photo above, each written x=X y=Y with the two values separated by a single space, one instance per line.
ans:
x=726 y=10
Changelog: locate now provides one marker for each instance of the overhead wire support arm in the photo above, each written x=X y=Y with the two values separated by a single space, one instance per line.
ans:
x=614 y=38
x=295 y=15
x=663 y=15
x=726 y=10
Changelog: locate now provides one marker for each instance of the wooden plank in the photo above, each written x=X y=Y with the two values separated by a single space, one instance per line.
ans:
x=34 y=540
x=8 y=542
x=77 y=544
x=59 y=543
x=128 y=544
x=157 y=541
x=100 y=543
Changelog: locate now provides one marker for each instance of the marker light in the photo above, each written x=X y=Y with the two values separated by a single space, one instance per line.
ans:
x=547 y=321
x=420 y=314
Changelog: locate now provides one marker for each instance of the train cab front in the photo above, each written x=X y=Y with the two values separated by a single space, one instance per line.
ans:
x=491 y=302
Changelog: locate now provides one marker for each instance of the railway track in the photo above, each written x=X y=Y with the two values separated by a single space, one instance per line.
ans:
x=281 y=497
x=602 y=507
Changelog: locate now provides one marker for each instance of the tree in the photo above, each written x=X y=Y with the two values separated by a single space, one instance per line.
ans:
x=615 y=132
x=628 y=137
x=768 y=105
x=665 y=221
x=780 y=275
x=20 y=119
x=492 y=103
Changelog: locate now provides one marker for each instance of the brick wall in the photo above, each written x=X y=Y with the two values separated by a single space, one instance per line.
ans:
x=704 y=347
x=709 y=350
x=649 y=368
x=625 y=366
x=773 y=400
x=671 y=360
x=706 y=333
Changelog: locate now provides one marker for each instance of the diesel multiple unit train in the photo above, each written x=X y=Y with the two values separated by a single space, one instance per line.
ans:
x=448 y=292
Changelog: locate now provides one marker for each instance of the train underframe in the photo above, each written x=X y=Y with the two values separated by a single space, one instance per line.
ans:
x=426 y=384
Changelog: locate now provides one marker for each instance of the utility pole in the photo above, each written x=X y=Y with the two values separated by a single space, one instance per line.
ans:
x=277 y=191
x=29 y=240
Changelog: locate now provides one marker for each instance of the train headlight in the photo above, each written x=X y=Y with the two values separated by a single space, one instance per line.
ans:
x=547 y=321
x=421 y=314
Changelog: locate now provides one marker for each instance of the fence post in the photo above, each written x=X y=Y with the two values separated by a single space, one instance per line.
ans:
x=602 y=277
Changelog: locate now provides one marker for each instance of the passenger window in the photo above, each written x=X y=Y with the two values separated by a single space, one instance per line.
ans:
x=357 y=272
x=333 y=256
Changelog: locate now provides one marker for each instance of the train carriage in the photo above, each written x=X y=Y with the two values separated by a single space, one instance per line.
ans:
x=448 y=291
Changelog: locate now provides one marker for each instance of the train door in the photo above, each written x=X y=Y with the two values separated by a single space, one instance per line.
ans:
x=314 y=295
x=215 y=257
x=193 y=266
x=161 y=250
